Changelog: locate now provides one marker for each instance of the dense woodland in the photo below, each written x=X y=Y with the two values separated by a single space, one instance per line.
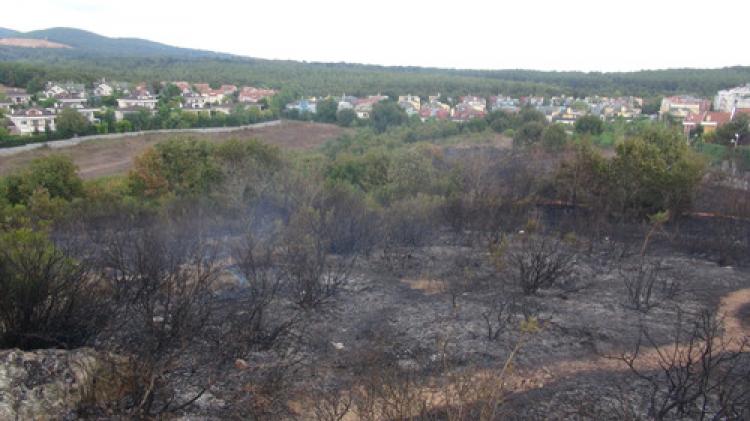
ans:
x=19 y=67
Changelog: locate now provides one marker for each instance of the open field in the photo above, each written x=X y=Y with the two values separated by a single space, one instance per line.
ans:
x=98 y=158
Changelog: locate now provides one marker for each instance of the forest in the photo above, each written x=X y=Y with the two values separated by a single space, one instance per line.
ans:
x=19 y=67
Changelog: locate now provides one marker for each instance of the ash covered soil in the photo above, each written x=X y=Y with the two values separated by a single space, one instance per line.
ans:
x=443 y=309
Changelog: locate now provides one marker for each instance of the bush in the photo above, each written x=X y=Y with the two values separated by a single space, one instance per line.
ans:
x=346 y=117
x=589 y=124
x=539 y=263
x=554 y=137
x=412 y=221
x=528 y=134
x=56 y=174
x=47 y=298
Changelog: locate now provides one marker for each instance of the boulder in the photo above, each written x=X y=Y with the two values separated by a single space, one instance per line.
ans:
x=51 y=384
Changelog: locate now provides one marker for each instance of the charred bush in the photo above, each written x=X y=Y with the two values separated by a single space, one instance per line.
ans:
x=702 y=374
x=647 y=284
x=249 y=320
x=312 y=275
x=407 y=225
x=350 y=225
x=539 y=262
x=161 y=284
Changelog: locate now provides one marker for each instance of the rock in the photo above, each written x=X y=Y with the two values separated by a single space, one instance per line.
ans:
x=51 y=384
x=408 y=364
x=209 y=401
x=338 y=345
x=241 y=364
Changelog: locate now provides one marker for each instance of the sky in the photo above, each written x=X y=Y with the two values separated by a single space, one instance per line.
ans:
x=470 y=34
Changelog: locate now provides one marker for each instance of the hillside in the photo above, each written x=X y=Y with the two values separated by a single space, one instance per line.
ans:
x=93 y=56
x=85 y=43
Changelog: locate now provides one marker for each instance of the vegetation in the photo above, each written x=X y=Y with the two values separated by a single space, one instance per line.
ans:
x=239 y=259
x=140 y=60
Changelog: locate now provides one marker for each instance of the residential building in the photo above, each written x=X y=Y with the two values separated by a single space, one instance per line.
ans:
x=729 y=99
x=121 y=113
x=567 y=115
x=33 y=120
x=428 y=112
x=228 y=90
x=680 y=106
x=70 y=89
x=410 y=103
x=194 y=101
x=504 y=103
x=16 y=96
x=363 y=106
x=475 y=102
x=215 y=96
x=67 y=100
x=709 y=120
x=184 y=87
x=140 y=99
x=532 y=101
x=253 y=96
x=89 y=113
x=103 y=88
x=346 y=102
x=304 y=106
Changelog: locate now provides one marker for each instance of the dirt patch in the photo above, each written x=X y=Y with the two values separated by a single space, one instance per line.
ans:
x=99 y=158
x=31 y=43
x=427 y=286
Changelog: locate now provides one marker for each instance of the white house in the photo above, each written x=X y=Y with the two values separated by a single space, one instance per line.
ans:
x=33 y=120
x=17 y=96
x=104 y=89
x=137 y=100
x=730 y=99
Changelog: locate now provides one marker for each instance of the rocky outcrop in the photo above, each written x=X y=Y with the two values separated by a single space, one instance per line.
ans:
x=51 y=384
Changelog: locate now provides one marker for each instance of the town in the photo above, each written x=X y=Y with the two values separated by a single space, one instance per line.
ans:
x=110 y=106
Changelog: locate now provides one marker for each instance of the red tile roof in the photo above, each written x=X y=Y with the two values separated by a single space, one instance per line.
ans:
x=717 y=117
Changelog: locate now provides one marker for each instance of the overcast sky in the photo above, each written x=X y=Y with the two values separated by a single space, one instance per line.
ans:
x=530 y=34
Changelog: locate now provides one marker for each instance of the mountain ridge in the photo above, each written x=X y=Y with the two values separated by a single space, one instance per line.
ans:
x=90 y=43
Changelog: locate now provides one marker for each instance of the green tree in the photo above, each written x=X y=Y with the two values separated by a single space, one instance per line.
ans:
x=554 y=137
x=387 y=114
x=529 y=115
x=737 y=129
x=654 y=172
x=185 y=167
x=528 y=134
x=346 y=117
x=589 y=124
x=56 y=174
x=500 y=121
x=71 y=123
x=326 y=111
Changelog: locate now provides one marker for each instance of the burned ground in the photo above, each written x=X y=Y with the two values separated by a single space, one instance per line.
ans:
x=567 y=369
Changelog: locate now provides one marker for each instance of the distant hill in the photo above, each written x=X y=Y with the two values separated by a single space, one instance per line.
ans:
x=93 y=56
x=85 y=43
x=6 y=33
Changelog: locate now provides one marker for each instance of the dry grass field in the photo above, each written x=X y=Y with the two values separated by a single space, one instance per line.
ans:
x=98 y=158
